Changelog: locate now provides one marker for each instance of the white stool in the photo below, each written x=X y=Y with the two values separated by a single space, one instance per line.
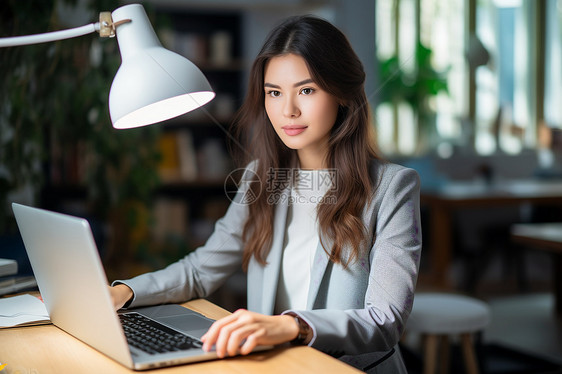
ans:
x=436 y=316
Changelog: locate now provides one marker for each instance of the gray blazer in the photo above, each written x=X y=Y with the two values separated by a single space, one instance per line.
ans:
x=358 y=313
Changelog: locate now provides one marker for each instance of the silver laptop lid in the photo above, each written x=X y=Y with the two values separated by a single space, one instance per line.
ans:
x=70 y=276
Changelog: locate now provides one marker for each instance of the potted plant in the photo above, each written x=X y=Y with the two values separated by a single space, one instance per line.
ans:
x=413 y=87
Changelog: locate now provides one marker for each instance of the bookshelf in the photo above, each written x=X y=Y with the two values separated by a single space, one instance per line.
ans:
x=195 y=161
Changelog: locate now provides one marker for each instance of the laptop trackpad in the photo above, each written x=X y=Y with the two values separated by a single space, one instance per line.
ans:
x=191 y=324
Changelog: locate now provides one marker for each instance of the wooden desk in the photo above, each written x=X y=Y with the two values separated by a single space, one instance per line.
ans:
x=47 y=349
x=442 y=202
x=546 y=237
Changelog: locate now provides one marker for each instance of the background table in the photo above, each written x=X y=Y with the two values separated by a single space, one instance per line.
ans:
x=47 y=349
x=443 y=201
x=546 y=237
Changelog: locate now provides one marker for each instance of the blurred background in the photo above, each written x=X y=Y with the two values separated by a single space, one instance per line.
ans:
x=467 y=92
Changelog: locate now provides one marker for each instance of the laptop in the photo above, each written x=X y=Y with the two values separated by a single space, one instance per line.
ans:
x=74 y=287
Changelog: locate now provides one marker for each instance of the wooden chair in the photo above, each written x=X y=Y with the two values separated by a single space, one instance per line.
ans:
x=440 y=316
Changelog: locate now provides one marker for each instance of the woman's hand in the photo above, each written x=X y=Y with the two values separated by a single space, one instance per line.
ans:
x=120 y=294
x=243 y=330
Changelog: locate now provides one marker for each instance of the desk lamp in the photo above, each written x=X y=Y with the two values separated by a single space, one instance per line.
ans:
x=152 y=84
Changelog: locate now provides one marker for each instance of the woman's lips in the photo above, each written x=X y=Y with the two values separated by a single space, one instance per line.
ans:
x=293 y=130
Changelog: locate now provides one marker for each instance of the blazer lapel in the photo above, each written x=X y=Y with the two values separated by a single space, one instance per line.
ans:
x=321 y=261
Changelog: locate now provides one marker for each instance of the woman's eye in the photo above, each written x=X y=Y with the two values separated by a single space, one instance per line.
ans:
x=307 y=91
x=274 y=93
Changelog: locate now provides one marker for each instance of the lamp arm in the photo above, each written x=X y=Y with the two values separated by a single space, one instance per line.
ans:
x=50 y=36
x=105 y=27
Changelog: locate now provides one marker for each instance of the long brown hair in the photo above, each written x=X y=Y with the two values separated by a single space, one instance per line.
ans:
x=335 y=67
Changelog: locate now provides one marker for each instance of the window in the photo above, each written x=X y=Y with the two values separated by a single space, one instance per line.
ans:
x=553 y=64
x=492 y=53
x=505 y=86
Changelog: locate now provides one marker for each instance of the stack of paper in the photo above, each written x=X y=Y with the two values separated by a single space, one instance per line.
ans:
x=15 y=283
x=8 y=267
x=10 y=282
x=23 y=310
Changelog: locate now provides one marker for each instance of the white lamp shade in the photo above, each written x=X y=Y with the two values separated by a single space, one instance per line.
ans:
x=152 y=84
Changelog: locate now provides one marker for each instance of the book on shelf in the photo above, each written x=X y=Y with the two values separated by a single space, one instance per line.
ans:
x=207 y=50
x=213 y=160
x=169 y=157
x=170 y=219
x=187 y=156
x=178 y=157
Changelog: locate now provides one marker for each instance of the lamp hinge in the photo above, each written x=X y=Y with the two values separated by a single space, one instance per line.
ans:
x=107 y=26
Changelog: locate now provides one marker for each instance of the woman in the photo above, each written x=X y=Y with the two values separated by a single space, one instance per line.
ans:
x=328 y=233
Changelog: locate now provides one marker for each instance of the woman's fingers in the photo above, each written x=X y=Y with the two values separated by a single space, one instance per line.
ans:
x=232 y=334
x=219 y=332
x=242 y=331
x=251 y=342
x=237 y=338
x=120 y=294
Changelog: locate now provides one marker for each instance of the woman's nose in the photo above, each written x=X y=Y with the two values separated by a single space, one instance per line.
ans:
x=290 y=108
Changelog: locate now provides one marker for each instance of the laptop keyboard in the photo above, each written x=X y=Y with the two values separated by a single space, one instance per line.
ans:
x=153 y=337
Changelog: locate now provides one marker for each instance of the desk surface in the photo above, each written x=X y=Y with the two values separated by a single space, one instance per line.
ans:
x=47 y=349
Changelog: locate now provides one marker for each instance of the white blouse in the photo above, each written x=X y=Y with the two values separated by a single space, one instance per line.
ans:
x=301 y=238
